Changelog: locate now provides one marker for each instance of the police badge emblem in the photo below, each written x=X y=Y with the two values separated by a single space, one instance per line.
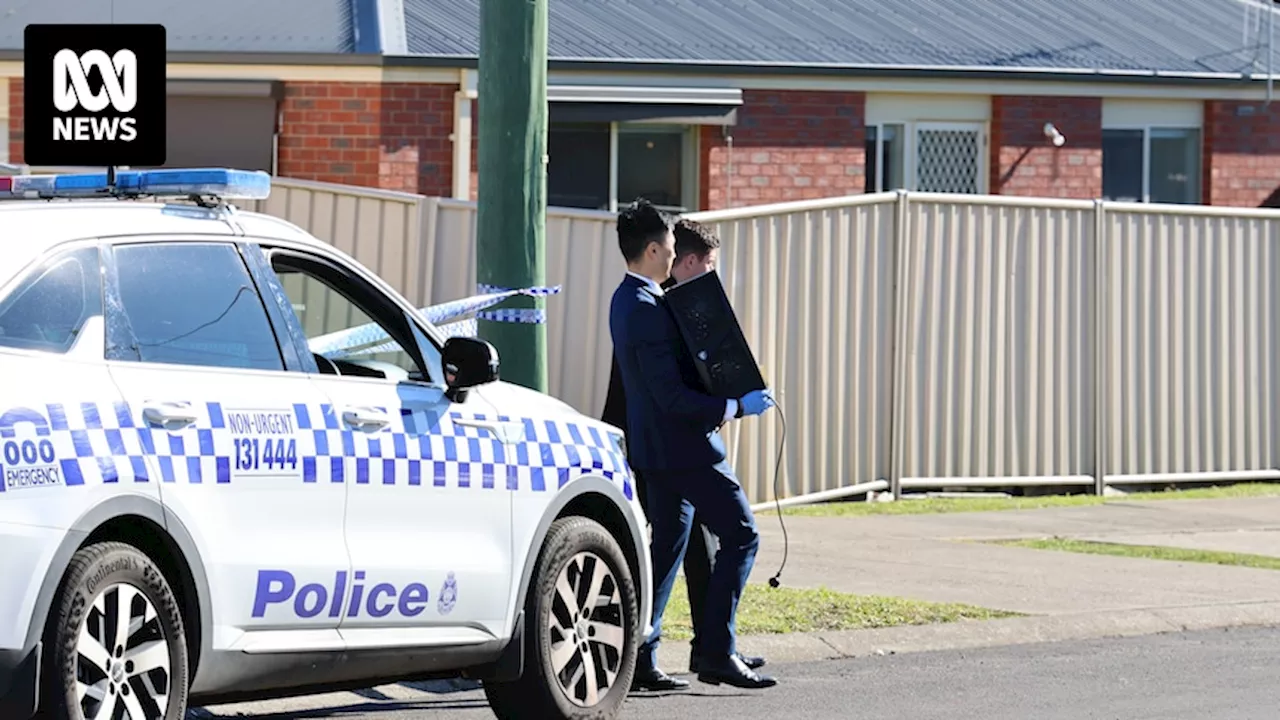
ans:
x=448 y=595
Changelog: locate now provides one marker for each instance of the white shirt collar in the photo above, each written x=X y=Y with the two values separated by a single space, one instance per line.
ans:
x=655 y=287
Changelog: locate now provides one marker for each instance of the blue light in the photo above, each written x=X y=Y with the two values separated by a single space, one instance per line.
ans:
x=215 y=182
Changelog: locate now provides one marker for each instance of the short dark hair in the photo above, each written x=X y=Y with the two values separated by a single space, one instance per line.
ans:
x=639 y=224
x=694 y=238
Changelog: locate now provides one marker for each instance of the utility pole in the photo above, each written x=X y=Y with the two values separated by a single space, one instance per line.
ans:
x=511 y=222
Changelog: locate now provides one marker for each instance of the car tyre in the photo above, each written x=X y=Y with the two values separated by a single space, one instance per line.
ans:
x=115 y=636
x=580 y=650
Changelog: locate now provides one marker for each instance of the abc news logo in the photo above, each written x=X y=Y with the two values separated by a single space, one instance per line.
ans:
x=71 y=91
x=94 y=95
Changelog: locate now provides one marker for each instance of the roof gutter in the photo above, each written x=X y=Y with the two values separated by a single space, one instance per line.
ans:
x=704 y=67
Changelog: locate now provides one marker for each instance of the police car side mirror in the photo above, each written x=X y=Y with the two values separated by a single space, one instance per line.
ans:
x=467 y=362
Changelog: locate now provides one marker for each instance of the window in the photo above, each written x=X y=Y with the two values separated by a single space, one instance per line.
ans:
x=928 y=157
x=651 y=164
x=1122 y=175
x=1151 y=164
x=339 y=325
x=886 y=147
x=47 y=310
x=927 y=142
x=578 y=165
x=599 y=166
x=194 y=304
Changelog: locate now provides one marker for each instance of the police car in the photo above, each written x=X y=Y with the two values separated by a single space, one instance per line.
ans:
x=205 y=499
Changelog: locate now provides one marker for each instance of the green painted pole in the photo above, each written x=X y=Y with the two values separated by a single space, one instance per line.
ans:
x=511 y=222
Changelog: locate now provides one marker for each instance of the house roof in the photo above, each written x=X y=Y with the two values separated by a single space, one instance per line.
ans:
x=223 y=26
x=1204 y=36
x=1206 y=39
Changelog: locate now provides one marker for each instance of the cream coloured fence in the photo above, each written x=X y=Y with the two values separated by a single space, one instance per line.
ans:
x=923 y=341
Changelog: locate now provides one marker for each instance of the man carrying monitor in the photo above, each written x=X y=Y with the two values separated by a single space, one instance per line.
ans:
x=674 y=446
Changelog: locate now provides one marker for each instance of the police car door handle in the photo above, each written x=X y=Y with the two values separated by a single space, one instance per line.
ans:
x=169 y=413
x=511 y=432
x=364 y=417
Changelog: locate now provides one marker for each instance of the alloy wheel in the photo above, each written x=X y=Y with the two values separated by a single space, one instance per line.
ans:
x=122 y=658
x=587 y=634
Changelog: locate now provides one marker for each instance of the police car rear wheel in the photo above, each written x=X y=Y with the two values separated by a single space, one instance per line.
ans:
x=117 y=639
x=580 y=636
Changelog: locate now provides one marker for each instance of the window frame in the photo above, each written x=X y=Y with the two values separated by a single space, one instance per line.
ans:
x=1146 y=128
x=121 y=342
x=690 y=139
x=876 y=184
x=261 y=251
x=690 y=177
x=910 y=151
x=40 y=264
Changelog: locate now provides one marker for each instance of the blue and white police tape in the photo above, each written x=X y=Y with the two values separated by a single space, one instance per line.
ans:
x=338 y=344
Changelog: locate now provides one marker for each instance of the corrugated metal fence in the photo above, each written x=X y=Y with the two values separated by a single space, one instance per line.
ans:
x=920 y=340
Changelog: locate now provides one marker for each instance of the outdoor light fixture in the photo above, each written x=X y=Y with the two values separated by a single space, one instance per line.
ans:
x=1052 y=133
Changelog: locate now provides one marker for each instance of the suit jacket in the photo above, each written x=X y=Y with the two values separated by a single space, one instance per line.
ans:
x=669 y=424
x=615 y=399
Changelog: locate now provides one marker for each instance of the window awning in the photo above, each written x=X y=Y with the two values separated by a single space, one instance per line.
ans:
x=226 y=88
x=612 y=103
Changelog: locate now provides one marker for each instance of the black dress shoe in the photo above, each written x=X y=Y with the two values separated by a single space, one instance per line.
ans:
x=655 y=679
x=732 y=671
x=751 y=661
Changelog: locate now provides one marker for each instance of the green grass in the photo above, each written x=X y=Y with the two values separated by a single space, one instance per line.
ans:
x=767 y=611
x=1149 y=552
x=986 y=504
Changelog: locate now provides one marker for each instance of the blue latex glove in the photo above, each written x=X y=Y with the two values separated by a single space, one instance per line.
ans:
x=756 y=402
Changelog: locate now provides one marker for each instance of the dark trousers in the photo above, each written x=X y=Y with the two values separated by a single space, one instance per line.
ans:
x=697 y=562
x=671 y=500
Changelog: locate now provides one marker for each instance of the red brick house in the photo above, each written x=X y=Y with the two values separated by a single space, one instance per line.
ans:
x=720 y=103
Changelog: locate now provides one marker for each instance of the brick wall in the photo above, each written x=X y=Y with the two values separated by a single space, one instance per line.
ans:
x=392 y=135
x=15 y=120
x=1025 y=162
x=1242 y=154
x=787 y=145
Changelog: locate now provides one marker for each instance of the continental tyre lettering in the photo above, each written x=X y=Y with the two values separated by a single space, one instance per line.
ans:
x=280 y=587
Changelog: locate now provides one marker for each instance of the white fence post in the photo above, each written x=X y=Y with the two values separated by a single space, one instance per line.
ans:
x=900 y=286
x=1101 y=290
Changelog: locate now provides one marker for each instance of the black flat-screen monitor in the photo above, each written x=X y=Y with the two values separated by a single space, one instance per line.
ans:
x=714 y=337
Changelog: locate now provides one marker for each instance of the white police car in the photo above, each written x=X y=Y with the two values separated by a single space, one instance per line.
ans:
x=197 y=507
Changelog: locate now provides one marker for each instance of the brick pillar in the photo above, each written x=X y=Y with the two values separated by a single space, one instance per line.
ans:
x=787 y=145
x=393 y=136
x=15 y=120
x=1025 y=162
x=1241 y=154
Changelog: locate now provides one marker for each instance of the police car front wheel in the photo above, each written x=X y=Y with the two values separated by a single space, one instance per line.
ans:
x=580 y=637
x=117 y=639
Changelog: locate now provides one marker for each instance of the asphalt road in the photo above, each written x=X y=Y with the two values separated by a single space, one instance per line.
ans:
x=1220 y=674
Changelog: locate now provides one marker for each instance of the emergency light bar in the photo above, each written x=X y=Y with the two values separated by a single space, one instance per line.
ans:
x=199 y=182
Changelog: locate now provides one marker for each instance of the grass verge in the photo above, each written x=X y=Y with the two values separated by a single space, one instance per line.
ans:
x=1149 y=552
x=769 y=611
x=985 y=504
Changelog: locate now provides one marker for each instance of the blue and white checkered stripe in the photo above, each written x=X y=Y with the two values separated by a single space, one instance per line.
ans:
x=110 y=444
x=422 y=449
x=105 y=443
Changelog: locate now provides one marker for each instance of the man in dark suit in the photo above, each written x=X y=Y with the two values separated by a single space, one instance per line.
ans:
x=697 y=249
x=674 y=446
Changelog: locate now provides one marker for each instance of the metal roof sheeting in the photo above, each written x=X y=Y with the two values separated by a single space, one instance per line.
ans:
x=1189 y=37
x=1193 y=36
x=230 y=26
